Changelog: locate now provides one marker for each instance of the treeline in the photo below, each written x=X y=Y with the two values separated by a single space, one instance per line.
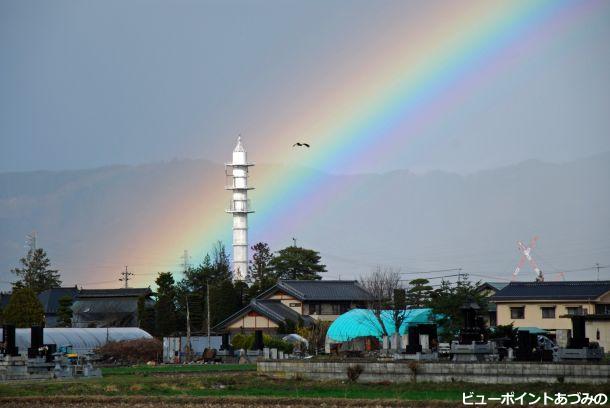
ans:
x=186 y=299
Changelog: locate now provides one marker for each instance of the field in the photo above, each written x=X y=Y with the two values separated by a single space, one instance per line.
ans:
x=239 y=385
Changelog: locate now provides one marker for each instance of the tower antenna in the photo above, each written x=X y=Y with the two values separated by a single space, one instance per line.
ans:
x=185 y=261
x=31 y=240
x=125 y=277
x=236 y=174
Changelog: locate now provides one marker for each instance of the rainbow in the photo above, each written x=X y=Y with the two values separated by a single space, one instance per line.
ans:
x=379 y=112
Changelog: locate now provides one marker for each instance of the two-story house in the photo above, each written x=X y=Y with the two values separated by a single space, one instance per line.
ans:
x=549 y=306
x=296 y=301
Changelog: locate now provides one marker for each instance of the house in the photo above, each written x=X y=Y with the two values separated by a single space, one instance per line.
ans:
x=296 y=301
x=489 y=289
x=108 y=307
x=50 y=303
x=549 y=306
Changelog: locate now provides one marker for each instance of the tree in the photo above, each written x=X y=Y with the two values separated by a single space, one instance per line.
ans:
x=64 y=312
x=225 y=296
x=146 y=315
x=297 y=263
x=165 y=307
x=260 y=272
x=35 y=273
x=419 y=291
x=387 y=298
x=447 y=300
x=24 y=309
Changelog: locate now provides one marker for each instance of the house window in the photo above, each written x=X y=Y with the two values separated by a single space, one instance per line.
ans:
x=548 y=312
x=517 y=312
x=329 y=308
x=602 y=308
x=314 y=308
x=295 y=305
x=575 y=311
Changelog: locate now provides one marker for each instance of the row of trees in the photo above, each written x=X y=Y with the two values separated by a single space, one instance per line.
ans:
x=179 y=301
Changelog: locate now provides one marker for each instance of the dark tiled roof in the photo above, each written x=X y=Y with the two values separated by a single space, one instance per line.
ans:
x=270 y=308
x=123 y=292
x=492 y=285
x=321 y=290
x=50 y=298
x=569 y=290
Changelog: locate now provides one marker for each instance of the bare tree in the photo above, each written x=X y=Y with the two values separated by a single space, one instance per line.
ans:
x=387 y=296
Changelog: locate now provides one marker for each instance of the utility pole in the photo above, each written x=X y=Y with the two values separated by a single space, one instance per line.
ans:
x=459 y=275
x=126 y=274
x=187 y=348
x=207 y=306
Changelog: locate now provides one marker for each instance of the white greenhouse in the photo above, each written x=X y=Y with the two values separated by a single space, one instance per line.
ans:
x=81 y=340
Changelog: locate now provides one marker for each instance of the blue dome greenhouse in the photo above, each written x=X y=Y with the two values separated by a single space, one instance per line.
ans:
x=363 y=323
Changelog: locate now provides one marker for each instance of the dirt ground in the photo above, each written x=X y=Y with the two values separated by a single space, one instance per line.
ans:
x=205 y=402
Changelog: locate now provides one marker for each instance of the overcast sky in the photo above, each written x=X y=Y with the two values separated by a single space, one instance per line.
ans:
x=93 y=83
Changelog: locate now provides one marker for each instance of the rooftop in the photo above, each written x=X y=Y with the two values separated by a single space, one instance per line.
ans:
x=568 y=290
x=123 y=292
x=50 y=297
x=320 y=290
x=274 y=310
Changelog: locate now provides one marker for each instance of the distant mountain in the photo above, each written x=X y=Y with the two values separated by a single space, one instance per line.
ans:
x=94 y=221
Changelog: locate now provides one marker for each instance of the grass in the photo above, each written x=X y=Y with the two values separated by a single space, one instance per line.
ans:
x=195 y=368
x=212 y=382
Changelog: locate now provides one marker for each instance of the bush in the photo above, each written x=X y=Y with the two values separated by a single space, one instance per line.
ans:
x=131 y=351
x=246 y=342
x=238 y=341
x=353 y=372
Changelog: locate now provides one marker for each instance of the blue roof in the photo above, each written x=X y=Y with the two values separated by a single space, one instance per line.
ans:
x=363 y=323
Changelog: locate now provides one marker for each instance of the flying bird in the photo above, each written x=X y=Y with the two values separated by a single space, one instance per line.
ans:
x=300 y=144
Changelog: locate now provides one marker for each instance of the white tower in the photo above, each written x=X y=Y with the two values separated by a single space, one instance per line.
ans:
x=239 y=206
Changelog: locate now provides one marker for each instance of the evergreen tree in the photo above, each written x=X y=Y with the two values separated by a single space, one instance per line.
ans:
x=419 y=291
x=23 y=309
x=225 y=297
x=146 y=315
x=165 y=308
x=64 y=312
x=260 y=273
x=447 y=300
x=35 y=273
x=297 y=263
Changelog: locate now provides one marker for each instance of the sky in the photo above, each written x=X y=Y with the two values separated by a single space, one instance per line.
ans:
x=95 y=83
x=374 y=87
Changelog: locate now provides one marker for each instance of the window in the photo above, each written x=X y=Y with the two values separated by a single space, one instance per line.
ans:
x=517 y=312
x=548 y=312
x=328 y=309
x=295 y=305
x=576 y=310
x=603 y=309
x=314 y=308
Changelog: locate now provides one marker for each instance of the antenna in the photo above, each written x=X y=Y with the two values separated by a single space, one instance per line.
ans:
x=31 y=240
x=185 y=261
x=126 y=274
x=526 y=255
